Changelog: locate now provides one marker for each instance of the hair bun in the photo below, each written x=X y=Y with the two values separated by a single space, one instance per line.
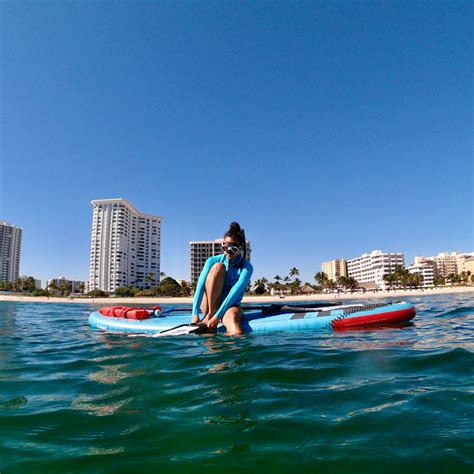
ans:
x=235 y=227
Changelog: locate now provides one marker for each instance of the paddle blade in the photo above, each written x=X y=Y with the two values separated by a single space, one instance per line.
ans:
x=182 y=330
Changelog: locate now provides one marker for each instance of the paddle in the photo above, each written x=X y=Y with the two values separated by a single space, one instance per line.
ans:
x=268 y=310
x=277 y=306
x=183 y=330
x=303 y=309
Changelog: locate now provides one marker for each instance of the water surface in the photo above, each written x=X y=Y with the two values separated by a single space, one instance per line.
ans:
x=74 y=399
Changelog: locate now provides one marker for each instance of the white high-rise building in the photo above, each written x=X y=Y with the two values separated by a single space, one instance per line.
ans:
x=125 y=246
x=10 y=250
x=202 y=250
x=425 y=268
x=372 y=267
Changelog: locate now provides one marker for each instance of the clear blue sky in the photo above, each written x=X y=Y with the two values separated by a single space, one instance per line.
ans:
x=327 y=129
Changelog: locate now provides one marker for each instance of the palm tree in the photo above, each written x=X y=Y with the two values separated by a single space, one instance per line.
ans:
x=18 y=284
x=65 y=287
x=295 y=286
x=415 y=280
x=463 y=277
x=53 y=287
x=149 y=278
x=322 y=279
x=400 y=276
x=390 y=279
x=294 y=272
x=343 y=282
x=6 y=286
x=439 y=280
x=277 y=286
x=29 y=284
x=259 y=286
x=453 y=278
x=352 y=283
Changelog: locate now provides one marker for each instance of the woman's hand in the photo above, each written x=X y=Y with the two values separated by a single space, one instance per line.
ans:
x=213 y=322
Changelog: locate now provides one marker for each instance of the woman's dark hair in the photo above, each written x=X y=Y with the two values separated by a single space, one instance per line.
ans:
x=236 y=233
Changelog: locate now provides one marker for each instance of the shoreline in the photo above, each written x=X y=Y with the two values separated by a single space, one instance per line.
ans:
x=130 y=301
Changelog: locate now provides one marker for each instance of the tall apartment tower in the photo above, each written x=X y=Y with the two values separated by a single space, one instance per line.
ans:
x=10 y=250
x=202 y=250
x=335 y=268
x=125 y=246
x=372 y=267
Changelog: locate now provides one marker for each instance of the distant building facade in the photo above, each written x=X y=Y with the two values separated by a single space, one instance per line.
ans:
x=76 y=286
x=468 y=265
x=425 y=268
x=10 y=251
x=125 y=246
x=372 y=267
x=37 y=282
x=202 y=250
x=446 y=263
x=335 y=268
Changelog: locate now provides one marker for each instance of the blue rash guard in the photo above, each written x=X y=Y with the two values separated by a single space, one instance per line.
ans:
x=237 y=278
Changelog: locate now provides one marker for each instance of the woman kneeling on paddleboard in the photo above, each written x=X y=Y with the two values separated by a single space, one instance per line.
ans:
x=222 y=284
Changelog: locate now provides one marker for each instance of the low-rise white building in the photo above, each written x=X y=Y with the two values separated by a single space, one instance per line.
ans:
x=76 y=286
x=446 y=263
x=425 y=268
x=372 y=267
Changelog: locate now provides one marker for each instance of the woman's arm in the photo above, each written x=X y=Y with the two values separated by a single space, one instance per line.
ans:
x=237 y=291
x=199 y=293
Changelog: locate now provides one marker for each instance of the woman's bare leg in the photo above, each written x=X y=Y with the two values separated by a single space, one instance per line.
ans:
x=231 y=320
x=213 y=290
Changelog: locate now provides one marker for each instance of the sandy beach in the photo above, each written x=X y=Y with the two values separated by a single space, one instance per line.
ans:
x=248 y=299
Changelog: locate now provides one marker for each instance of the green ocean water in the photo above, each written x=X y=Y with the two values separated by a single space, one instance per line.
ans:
x=395 y=400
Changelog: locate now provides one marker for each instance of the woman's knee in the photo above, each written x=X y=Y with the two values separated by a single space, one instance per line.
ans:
x=234 y=315
x=218 y=267
x=217 y=270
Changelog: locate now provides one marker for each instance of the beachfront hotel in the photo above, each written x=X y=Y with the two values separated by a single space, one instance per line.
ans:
x=202 y=250
x=10 y=250
x=447 y=263
x=370 y=268
x=125 y=246
x=426 y=269
x=75 y=285
x=335 y=268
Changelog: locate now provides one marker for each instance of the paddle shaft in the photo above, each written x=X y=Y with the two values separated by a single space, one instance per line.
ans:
x=268 y=309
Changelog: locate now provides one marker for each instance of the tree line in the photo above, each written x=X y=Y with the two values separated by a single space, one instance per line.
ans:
x=293 y=285
x=402 y=278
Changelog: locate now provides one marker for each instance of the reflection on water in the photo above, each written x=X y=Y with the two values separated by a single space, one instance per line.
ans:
x=94 y=408
x=112 y=374
x=103 y=451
